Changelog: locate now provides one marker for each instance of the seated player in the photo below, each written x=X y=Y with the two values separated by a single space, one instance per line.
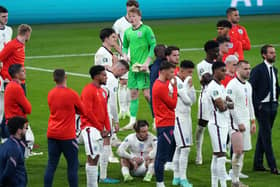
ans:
x=183 y=125
x=137 y=153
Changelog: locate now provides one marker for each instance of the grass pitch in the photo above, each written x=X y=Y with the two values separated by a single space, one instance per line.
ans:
x=83 y=38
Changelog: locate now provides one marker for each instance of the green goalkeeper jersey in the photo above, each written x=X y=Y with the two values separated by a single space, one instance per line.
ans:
x=141 y=43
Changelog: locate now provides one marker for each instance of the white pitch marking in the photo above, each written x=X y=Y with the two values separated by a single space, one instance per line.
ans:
x=92 y=54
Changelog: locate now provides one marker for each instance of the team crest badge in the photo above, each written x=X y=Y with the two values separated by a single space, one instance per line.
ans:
x=105 y=59
x=230 y=45
x=229 y=91
x=201 y=71
x=240 y=31
x=115 y=89
x=180 y=86
x=215 y=92
x=139 y=34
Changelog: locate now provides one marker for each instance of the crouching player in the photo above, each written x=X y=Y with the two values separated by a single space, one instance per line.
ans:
x=137 y=153
x=183 y=125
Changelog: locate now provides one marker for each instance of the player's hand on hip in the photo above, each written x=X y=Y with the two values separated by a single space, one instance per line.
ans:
x=241 y=127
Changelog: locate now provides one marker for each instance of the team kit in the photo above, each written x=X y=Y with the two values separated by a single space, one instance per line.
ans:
x=128 y=62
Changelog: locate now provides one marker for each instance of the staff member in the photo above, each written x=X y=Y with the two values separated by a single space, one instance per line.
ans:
x=265 y=85
x=64 y=103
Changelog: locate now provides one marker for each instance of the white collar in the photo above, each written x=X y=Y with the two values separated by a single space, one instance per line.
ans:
x=268 y=64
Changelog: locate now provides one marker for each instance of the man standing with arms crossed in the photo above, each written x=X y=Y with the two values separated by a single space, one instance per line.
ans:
x=237 y=31
x=218 y=124
x=242 y=118
x=63 y=103
x=140 y=40
x=95 y=123
x=6 y=32
x=164 y=104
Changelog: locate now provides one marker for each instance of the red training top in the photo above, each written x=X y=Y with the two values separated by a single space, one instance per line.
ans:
x=234 y=47
x=239 y=33
x=96 y=115
x=15 y=101
x=12 y=53
x=226 y=80
x=163 y=104
x=63 y=103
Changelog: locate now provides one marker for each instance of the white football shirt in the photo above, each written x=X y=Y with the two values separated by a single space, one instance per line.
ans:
x=111 y=86
x=5 y=36
x=215 y=91
x=241 y=94
x=120 y=27
x=103 y=57
x=133 y=147
x=204 y=67
x=186 y=96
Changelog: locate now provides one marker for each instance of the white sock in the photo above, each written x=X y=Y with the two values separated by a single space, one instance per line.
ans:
x=160 y=184
x=222 y=173
x=125 y=171
x=92 y=175
x=176 y=170
x=183 y=162
x=151 y=169
x=241 y=162
x=104 y=161
x=235 y=167
x=199 y=140
x=214 y=172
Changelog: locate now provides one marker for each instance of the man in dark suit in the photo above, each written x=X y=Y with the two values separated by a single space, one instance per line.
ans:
x=265 y=85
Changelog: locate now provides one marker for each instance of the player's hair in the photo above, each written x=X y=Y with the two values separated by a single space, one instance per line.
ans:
x=222 y=39
x=224 y=23
x=139 y=124
x=240 y=62
x=187 y=64
x=16 y=123
x=96 y=70
x=23 y=29
x=3 y=9
x=136 y=11
x=231 y=58
x=230 y=10
x=160 y=51
x=123 y=63
x=106 y=33
x=264 y=49
x=166 y=65
x=217 y=65
x=169 y=50
x=211 y=44
x=131 y=3
x=14 y=69
x=59 y=76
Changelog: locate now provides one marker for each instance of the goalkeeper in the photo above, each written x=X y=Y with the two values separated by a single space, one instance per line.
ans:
x=140 y=40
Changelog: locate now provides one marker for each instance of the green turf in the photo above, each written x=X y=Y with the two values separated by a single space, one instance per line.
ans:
x=83 y=38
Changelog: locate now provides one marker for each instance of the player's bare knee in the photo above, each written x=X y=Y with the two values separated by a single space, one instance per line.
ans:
x=124 y=162
x=134 y=94
x=147 y=94
x=106 y=141
x=92 y=161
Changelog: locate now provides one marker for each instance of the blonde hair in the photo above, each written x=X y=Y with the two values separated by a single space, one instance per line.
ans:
x=23 y=29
